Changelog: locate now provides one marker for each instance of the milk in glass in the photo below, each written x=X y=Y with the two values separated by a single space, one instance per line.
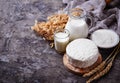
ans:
x=61 y=39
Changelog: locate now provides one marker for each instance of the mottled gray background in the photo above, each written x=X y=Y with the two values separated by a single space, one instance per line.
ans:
x=27 y=58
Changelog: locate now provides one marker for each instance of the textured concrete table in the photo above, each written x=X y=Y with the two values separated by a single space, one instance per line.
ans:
x=27 y=58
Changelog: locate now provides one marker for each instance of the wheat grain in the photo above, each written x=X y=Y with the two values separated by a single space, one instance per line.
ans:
x=106 y=70
x=104 y=63
x=98 y=68
x=100 y=74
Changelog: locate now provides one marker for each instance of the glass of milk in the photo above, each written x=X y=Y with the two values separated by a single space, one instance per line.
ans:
x=61 y=39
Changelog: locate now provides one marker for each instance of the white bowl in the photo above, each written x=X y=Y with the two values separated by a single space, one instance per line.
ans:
x=105 y=38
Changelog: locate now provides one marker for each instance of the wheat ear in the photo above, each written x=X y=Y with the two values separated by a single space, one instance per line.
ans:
x=106 y=70
x=103 y=72
x=99 y=67
x=102 y=65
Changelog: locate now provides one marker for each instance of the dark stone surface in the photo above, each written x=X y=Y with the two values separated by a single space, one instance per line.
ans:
x=27 y=58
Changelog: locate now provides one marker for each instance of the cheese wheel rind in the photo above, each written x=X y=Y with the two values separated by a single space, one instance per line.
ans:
x=82 y=53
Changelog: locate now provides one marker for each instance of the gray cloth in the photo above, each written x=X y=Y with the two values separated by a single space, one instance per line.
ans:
x=102 y=18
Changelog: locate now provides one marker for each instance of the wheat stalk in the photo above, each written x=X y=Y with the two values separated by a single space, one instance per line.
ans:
x=108 y=67
x=102 y=65
x=103 y=72
x=99 y=67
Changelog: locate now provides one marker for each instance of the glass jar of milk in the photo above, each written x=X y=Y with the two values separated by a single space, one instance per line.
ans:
x=61 y=39
x=76 y=24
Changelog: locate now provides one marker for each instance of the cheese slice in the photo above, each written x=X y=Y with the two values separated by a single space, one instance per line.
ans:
x=82 y=53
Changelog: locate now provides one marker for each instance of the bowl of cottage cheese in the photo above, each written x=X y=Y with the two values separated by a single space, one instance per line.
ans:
x=105 y=38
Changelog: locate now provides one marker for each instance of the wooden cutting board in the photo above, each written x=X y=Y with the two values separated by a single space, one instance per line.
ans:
x=77 y=70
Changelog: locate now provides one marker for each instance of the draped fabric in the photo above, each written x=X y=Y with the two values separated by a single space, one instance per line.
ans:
x=103 y=18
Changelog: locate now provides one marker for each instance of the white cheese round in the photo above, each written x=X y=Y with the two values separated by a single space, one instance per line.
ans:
x=82 y=53
x=105 y=38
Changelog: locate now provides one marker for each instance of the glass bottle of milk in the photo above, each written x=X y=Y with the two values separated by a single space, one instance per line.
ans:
x=61 y=39
x=76 y=24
